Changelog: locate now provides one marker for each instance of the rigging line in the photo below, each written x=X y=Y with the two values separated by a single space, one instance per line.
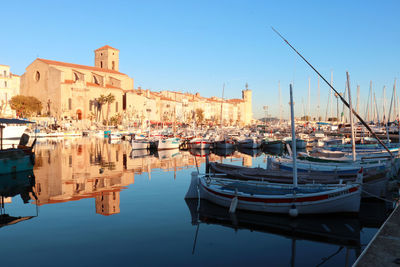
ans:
x=341 y=98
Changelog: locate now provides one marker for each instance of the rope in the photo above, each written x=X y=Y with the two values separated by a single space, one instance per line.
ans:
x=375 y=196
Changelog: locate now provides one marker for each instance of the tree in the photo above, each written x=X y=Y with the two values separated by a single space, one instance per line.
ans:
x=199 y=115
x=100 y=101
x=25 y=106
x=110 y=98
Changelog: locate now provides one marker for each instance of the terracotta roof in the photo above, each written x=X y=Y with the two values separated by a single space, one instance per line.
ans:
x=71 y=65
x=235 y=100
x=92 y=84
x=68 y=81
x=106 y=47
x=15 y=75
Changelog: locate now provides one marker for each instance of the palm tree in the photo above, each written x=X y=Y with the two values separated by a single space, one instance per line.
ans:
x=110 y=98
x=101 y=100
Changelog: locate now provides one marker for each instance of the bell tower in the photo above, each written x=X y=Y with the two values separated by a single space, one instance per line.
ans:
x=106 y=57
x=248 y=107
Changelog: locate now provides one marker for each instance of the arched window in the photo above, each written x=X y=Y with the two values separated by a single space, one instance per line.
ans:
x=5 y=83
x=113 y=65
x=69 y=103
x=76 y=77
x=101 y=64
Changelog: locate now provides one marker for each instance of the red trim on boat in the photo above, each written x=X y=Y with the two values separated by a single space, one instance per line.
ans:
x=283 y=200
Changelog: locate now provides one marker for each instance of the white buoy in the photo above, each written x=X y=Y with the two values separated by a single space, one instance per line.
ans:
x=234 y=203
x=293 y=211
x=192 y=191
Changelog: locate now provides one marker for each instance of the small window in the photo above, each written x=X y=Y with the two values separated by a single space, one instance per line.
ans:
x=116 y=106
x=90 y=105
x=113 y=65
x=5 y=73
x=101 y=54
x=101 y=64
x=37 y=76
x=69 y=103
x=5 y=83
x=76 y=77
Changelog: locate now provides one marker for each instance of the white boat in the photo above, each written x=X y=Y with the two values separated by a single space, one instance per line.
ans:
x=167 y=143
x=225 y=144
x=251 y=143
x=199 y=143
x=140 y=144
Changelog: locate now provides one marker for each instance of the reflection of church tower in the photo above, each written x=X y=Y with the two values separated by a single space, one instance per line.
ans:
x=248 y=108
x=106 y=57
x=247 y=161
x=107 y=203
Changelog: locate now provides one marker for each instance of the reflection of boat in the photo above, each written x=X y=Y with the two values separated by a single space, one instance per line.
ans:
x=224 y=152
x=11 y=185
x=167 y=154
x=250 y=152
x=139 y=153
x=202 y=153
x=342 y=230
x=338 y=230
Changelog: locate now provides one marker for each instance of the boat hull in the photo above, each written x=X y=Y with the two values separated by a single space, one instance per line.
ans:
x=346 y=200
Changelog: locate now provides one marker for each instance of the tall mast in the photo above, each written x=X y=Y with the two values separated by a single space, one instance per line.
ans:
x=280 y=103
x=318 y=102
x=294 y=154
x=384 y=105
x=353 y=144
x=309 y=109
x=367 y=109
x=358 y=99
x=331 y=95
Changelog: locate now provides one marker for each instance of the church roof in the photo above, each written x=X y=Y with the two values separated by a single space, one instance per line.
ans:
x=71 y=65
x=106 y=47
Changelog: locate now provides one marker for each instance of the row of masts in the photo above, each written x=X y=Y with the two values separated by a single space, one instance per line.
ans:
x=372 y=111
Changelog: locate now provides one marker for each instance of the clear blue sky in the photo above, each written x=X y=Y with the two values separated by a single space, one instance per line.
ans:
x=196 y=46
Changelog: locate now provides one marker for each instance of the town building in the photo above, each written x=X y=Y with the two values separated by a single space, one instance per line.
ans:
x=9 y=87
x=70 y=91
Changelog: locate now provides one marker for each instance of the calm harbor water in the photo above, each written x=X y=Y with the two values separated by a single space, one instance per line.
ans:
x=99 y=204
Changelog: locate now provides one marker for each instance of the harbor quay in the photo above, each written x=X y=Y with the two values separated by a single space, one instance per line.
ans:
x=384 y=248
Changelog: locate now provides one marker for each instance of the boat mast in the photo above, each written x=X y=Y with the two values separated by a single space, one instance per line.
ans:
x=318 y=118
x=353 y=145
x=309 y=94
x=331 y=96
x=294 y=154
x=367 y=109
x=222 y=101
x=341 y=98
x=280 y=103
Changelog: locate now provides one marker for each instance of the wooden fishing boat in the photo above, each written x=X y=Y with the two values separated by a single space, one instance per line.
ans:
x=199 y=143
x=278 y=198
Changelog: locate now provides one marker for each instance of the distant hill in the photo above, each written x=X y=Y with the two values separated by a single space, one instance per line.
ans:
x=269 y=119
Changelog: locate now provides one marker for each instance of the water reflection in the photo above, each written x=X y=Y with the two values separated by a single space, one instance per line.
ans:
x=12 y=185
x=342 y=231
x=74 y=169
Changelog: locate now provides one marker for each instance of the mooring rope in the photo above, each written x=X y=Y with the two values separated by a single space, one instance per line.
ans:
x=375 y=196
